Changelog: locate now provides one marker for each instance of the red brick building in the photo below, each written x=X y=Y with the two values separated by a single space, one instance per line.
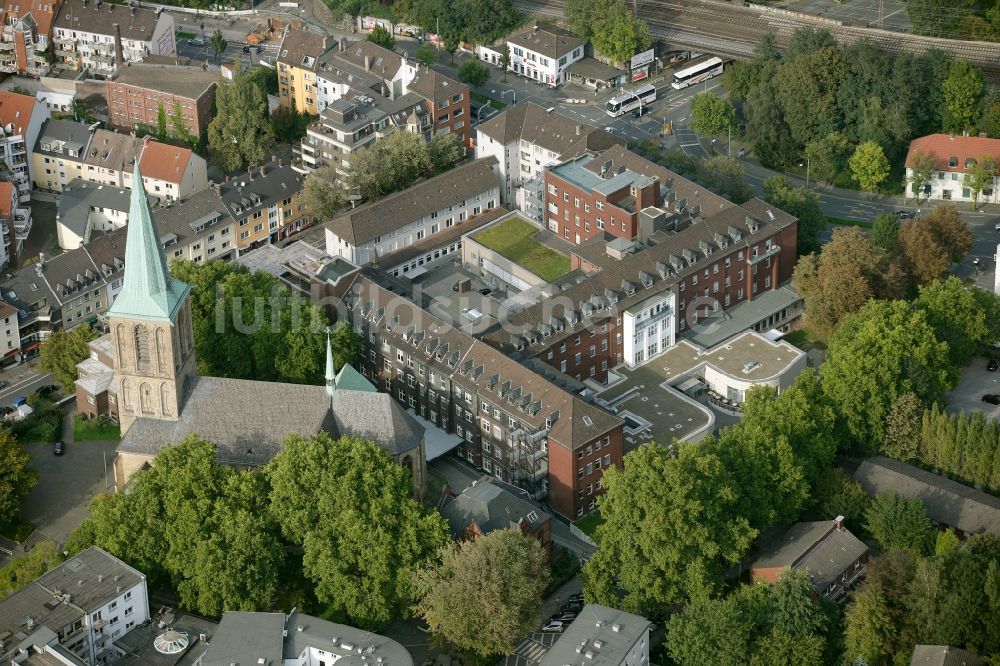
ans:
x=451 y=101
x=139 y=90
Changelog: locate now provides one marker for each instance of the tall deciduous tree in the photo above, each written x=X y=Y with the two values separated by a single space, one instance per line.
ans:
x=322 y=193
x=711 y=115
x=957 y=316
x=898 y=523
x=346 y=345
x=980 y=176
x=24 y=569
x=801 y=202
x=617 y=34
x=828 y=155
x=348 y=504
x=16 y=478
x=218 y=43
x=869 y=166
x=926 y=259
x=962 y=90
x=949 y=230
x=484 y=594
x=885 y=231
x=62 y=350
x=669 y=530
x=388 y=165
x=444 y=150
x=922 y=167
x=473 y=72
x=161 y=122
x=241 y=133
x=425 y=55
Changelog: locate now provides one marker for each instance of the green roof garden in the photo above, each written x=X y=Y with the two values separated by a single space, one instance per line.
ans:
x=515 y=240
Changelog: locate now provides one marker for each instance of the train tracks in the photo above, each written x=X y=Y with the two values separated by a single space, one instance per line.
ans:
x=734 y=30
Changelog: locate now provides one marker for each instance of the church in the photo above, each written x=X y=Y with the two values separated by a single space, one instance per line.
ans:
x=143 y=373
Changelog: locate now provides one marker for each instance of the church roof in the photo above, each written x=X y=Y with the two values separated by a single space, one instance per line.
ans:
x=149 y=292
x=350 y=379
x=376 y=417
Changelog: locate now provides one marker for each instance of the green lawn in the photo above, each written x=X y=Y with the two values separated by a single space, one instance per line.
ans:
x=483 y=99
x=183 y=34
x=803 y=338
x=864 y=224
x=85 y=430
x=588 y=524
x=513 y=239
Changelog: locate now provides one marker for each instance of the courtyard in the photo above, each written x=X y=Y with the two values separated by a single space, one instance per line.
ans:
x=515 y=240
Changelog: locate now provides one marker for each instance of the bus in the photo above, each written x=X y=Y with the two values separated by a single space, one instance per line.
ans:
x=698 y=72
x=631 y=99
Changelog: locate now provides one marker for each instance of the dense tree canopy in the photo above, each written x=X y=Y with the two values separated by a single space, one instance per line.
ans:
x=397 y=161
x=711 y=115
x=24 y=569
x=957 y=316
x=801 y=202
x=323 y=193
x=16 y=478
x=60 y=353
x=483 y=595
x=474 y=21
x=898 y=523
x=610 y=26
x=240 y=134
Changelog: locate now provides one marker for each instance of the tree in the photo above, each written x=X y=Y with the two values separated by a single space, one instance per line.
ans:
x=801 y=202
x=837 y=494
x=669 y=530
x=474 y=73
x=926 y=260
x=990 y=123
x=949 y=231
x=898 y=523
x=921 y=171
x=504 y=63
x=980 y=176
x=878 y=354
x=957 y=316
x=290 y=125
x=617 y=34
x=726 y=175
x=807 y=86
x=24 y=569
x=60 y=353
x=425 y=55
x=444 y=150
x=484 y=594
x=937 y=18
x=322 y=193
x=946 y=542
x=711 y=115
x=868 y=627
x=381 y=36
x=885 y=231
x=582 y=16
x=452 y=42
x=828 y=155
x=218 y=43
x=348 y=505
x=240 y=134
x=962 y=92
x=16 y=478
x=81 y=113
x=391 y=164
x=869 y=166
x=180 y=127
x=346 y=345
x=902 y=428
x=161 y=122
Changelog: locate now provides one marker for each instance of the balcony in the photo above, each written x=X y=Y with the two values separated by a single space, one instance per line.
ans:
x=769 y=252
x=66 y=49
x=6 y=46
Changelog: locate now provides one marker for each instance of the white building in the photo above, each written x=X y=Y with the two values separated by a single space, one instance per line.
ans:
x=87 y=602
x=86 y=208
x=648 y=327
x=397 y=221
x=102 y=36
x=954 y=157
x=602 y=635
x=526 y=139
x=21 y=117
x=540 y=53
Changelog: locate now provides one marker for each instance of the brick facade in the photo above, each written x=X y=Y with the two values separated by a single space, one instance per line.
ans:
x=130 y=106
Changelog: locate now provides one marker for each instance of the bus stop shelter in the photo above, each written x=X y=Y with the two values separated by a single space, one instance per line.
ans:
x=594 y=74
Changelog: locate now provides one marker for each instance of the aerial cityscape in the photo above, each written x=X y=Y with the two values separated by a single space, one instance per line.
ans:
x=500 y=332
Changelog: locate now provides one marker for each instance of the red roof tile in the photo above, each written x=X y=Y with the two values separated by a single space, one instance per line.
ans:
x=16 y=110
x=161 y=161
x=951 y=152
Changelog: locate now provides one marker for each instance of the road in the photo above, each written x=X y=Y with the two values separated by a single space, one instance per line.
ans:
x=22 y=384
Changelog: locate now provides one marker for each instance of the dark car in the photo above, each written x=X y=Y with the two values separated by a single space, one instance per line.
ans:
x=992 y=398
x=993 y=365
x=59 y=448
x=4 y=384
x=571 y=607
x=641 y=111
x=565 y=618
x=904 y=214
x=249 y=48
x=47 y=390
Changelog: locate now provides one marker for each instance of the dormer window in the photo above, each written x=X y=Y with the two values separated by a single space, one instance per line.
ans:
x=953 y=161
x=970 y=162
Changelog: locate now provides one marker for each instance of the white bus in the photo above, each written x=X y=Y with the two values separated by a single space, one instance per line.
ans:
x=697 y=72
x=631 y=99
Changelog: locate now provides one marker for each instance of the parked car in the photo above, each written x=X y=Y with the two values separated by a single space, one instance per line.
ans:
x=48 y=390
x=992 y=398
x=565 y=618
x=23 y=400
x=59 y=448
x=904 y=214
x=996 y=227
x=197 y=41
x=251 y=48
x=641 y=111
x=554 y=626
x=993 y=365
x=4 y=384
x=571 y=607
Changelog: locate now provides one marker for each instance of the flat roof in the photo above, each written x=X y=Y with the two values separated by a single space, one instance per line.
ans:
x=615 y=631
x=742 y=317
x=769 y=358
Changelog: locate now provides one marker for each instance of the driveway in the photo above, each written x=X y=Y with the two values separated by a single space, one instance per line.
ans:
x=66 y=484
x=975 y=381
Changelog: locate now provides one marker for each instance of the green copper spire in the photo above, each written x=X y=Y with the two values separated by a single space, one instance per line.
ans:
x=149 y=291
x=349 y=379
x=331 y=378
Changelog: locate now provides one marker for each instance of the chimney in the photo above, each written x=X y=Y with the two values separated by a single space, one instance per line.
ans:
x=119 y=58
x=367 y=63
x=838 y=522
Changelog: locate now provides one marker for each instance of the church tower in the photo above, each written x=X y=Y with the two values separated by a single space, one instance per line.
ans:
x=150 y=324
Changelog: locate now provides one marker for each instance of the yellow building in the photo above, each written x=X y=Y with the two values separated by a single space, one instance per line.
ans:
x=59 y=155
x=298 y=60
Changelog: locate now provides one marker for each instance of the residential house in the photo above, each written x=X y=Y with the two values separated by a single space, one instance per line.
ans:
x=943 y=655
x=266 y=203
x=833 y=557
x=343 y=128
x=78 y=286
x=430 y=206
x=110 y=156
x=38 y=311
x=138 y=92
x=604 y=635
x=15 y=223
x=59 y=153
x=198 y=228
x=27 y=35
x=104 y=36
x=170 y=172
x=512 y=423
x=486 y=506
x=297 y=63
x=526 y=140
x=275 y=639
x=87 y=602
x=10 y=334
x=21 y=117
x=540 y=53
x=949 y=503
x=87 y=208
x=954 y=157
x=95 y=391
x=451 y=101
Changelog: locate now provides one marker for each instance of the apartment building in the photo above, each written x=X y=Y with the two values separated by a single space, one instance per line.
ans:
x=10 y=334
x=169 y=172
x=87 y=602
x=22 y=117
x=298 y=62
x=399 y=220
x=266 y=204
x=110 y=156
x=603 y=635
x=138 y=92
x=15 y=223
x=451 y=101
x=344 y=127
x=514 y=424
x=363 y=67
x=103 y=36
x=954 y=157
x=59 y=153
x=526 y=140
x=199 y=228
x=87 y=209
x=27 y=33
x=540 y=53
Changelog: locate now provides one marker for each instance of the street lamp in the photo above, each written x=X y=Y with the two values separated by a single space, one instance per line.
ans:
x=513 y=93
x=807 y=170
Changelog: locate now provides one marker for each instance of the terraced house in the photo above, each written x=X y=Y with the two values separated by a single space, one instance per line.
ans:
x=266 y=204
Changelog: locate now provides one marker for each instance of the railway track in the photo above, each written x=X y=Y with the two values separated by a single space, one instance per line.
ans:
x=735 y=30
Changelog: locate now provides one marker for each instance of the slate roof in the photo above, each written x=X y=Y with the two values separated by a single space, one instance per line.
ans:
x=549 y=41
x=376 y=417
x=942 y=147
x=367 y=222
x=943 y=655
x=100 y=17
x=178 y=80
x=297 y=45
x=64 y=134
x=433 y=85
x=276 y=183
x=946 y=501
x=378 y=56
x=174 y=221
x=561 y=134
x=820 y=548
x=490 y=507
x=69 y=274
x=41 y=11
x=80 y=197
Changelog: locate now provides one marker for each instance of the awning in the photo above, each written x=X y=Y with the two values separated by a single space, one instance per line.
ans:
x=691 y=385
x=437 y=441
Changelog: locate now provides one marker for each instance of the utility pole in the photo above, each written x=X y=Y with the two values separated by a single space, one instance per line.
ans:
x=881 y=13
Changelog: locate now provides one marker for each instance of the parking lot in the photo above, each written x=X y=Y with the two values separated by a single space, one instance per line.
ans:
x=975 y=382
